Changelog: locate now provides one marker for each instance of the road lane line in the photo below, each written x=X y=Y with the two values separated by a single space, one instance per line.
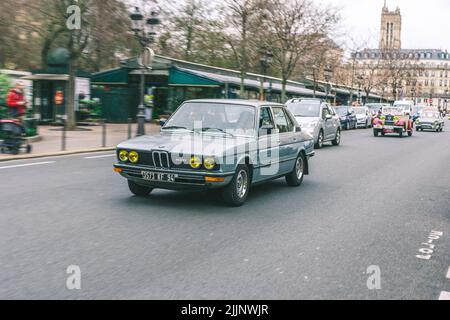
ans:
x=444 y=295
x=448 y=273
x=103 y=156
x=28 y=165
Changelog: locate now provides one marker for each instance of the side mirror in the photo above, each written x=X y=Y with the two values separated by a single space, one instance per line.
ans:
x=298 y=129
x=265 y=130
x=328 y=117
x=162 y=122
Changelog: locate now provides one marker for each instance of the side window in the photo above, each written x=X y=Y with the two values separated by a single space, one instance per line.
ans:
x=289 y=120
x=325 y=112
x=280 y=120
x=265 y=118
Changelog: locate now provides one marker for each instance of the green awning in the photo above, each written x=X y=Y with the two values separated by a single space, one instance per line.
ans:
x=114 y=76
x=184 y=78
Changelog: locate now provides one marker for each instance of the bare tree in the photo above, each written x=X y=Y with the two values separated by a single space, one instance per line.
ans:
x=296 y=28
x=240 y=24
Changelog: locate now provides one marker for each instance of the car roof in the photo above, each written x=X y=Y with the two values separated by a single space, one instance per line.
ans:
x=253 y=103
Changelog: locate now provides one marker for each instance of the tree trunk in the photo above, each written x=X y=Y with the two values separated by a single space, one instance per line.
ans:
x=242 y=89
x=70 y=96
x=283 y=90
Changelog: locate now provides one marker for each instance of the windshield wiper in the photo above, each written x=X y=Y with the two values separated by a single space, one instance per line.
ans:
x=217 y=129
x=175 y=128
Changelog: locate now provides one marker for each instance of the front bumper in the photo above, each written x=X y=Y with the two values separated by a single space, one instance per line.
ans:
x=427 y=126
x=185 y=180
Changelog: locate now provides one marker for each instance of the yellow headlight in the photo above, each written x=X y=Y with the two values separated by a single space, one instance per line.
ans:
x=209 y=163
x=195 y=162
x=395 y=118
x=133 y=156
x=123 y=156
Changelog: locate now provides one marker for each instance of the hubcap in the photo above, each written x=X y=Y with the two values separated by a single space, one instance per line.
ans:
x=299 y=167
x=241 y=183
x=338 y=137
x=320 y=139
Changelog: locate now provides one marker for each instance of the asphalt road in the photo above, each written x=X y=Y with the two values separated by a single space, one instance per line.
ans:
x=370 y=202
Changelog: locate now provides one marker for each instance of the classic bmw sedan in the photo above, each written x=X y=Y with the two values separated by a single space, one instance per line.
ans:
x=218 y=144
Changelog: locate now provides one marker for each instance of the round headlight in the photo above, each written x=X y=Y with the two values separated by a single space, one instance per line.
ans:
x=396 y=118
x=123 y=156
x=133 y=156
x=195 y=162
x=209 y=163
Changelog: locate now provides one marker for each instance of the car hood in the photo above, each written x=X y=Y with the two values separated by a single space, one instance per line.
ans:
x=186 y=143
x=361 y=116
x=304 y=121
x=428 y=119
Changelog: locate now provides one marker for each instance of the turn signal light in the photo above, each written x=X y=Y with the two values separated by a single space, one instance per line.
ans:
x=214 y=179
x=118 y=170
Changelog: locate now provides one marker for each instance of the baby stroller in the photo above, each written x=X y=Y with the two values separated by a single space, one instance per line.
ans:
x=13 y=135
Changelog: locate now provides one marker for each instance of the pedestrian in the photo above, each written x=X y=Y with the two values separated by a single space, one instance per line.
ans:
x=16 y=101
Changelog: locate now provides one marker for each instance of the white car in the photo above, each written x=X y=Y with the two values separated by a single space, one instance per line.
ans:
x=363 y=117
x=318 y=119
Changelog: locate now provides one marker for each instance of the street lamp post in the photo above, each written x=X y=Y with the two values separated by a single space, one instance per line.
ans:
x=265 y=61
x=328 y=74
x=144 y=31
x=360 y=79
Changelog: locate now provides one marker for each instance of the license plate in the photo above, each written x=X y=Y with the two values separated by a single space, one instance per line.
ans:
x=158 y=176
x=388 y=127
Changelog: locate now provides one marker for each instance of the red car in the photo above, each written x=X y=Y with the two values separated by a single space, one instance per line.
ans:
x=393 y=120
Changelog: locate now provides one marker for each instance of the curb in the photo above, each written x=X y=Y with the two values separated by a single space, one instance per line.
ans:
x=56 y=154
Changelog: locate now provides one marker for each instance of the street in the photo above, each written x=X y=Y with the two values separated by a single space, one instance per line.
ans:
x=369 y=202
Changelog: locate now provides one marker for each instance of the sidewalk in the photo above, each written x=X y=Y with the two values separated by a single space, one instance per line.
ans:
x=86 y=138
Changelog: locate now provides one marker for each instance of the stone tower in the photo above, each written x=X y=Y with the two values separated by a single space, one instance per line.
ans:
x=391 y=29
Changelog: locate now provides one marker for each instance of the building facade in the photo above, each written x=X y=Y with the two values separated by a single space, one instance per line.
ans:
x=422 y=75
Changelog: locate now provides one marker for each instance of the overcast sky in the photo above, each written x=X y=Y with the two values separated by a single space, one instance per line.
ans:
x=425 y=23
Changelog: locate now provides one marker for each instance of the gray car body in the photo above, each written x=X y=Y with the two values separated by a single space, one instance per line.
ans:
x=230 y=151
x=329 y=127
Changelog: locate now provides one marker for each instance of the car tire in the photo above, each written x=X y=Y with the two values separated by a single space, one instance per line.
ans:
x=319 y=144
x=400 y=134
x=376 y=133
x=236 y=193
x=337 y=139
x=410 y=133
x=295 y=178
x=139 y=190
x=348 y=126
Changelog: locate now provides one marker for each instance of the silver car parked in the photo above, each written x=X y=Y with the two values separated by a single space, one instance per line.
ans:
x=318 y=119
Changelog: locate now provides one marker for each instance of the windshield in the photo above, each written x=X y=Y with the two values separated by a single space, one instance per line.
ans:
x=430 y=114
x=359 y=110
x=309 y=109
x=214 y=117
x=392 y=110
x=342 y=111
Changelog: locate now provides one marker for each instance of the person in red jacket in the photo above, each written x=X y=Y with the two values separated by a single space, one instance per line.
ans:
x=16 y=101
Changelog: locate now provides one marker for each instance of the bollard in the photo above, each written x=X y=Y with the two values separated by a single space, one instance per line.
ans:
x=103 y=133
x=63 y=142
x=129 y=128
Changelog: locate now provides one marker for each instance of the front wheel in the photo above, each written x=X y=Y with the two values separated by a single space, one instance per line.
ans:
x=295 y=178
x=376 y=133
x=319 y=143
x=139 y=190
x=410 y=133
x=236 y=193
x=337 y=139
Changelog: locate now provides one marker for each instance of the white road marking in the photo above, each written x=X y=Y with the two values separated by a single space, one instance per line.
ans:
x=28 y=165
x=103 y=156
x=448 y=273
x=444 y=295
